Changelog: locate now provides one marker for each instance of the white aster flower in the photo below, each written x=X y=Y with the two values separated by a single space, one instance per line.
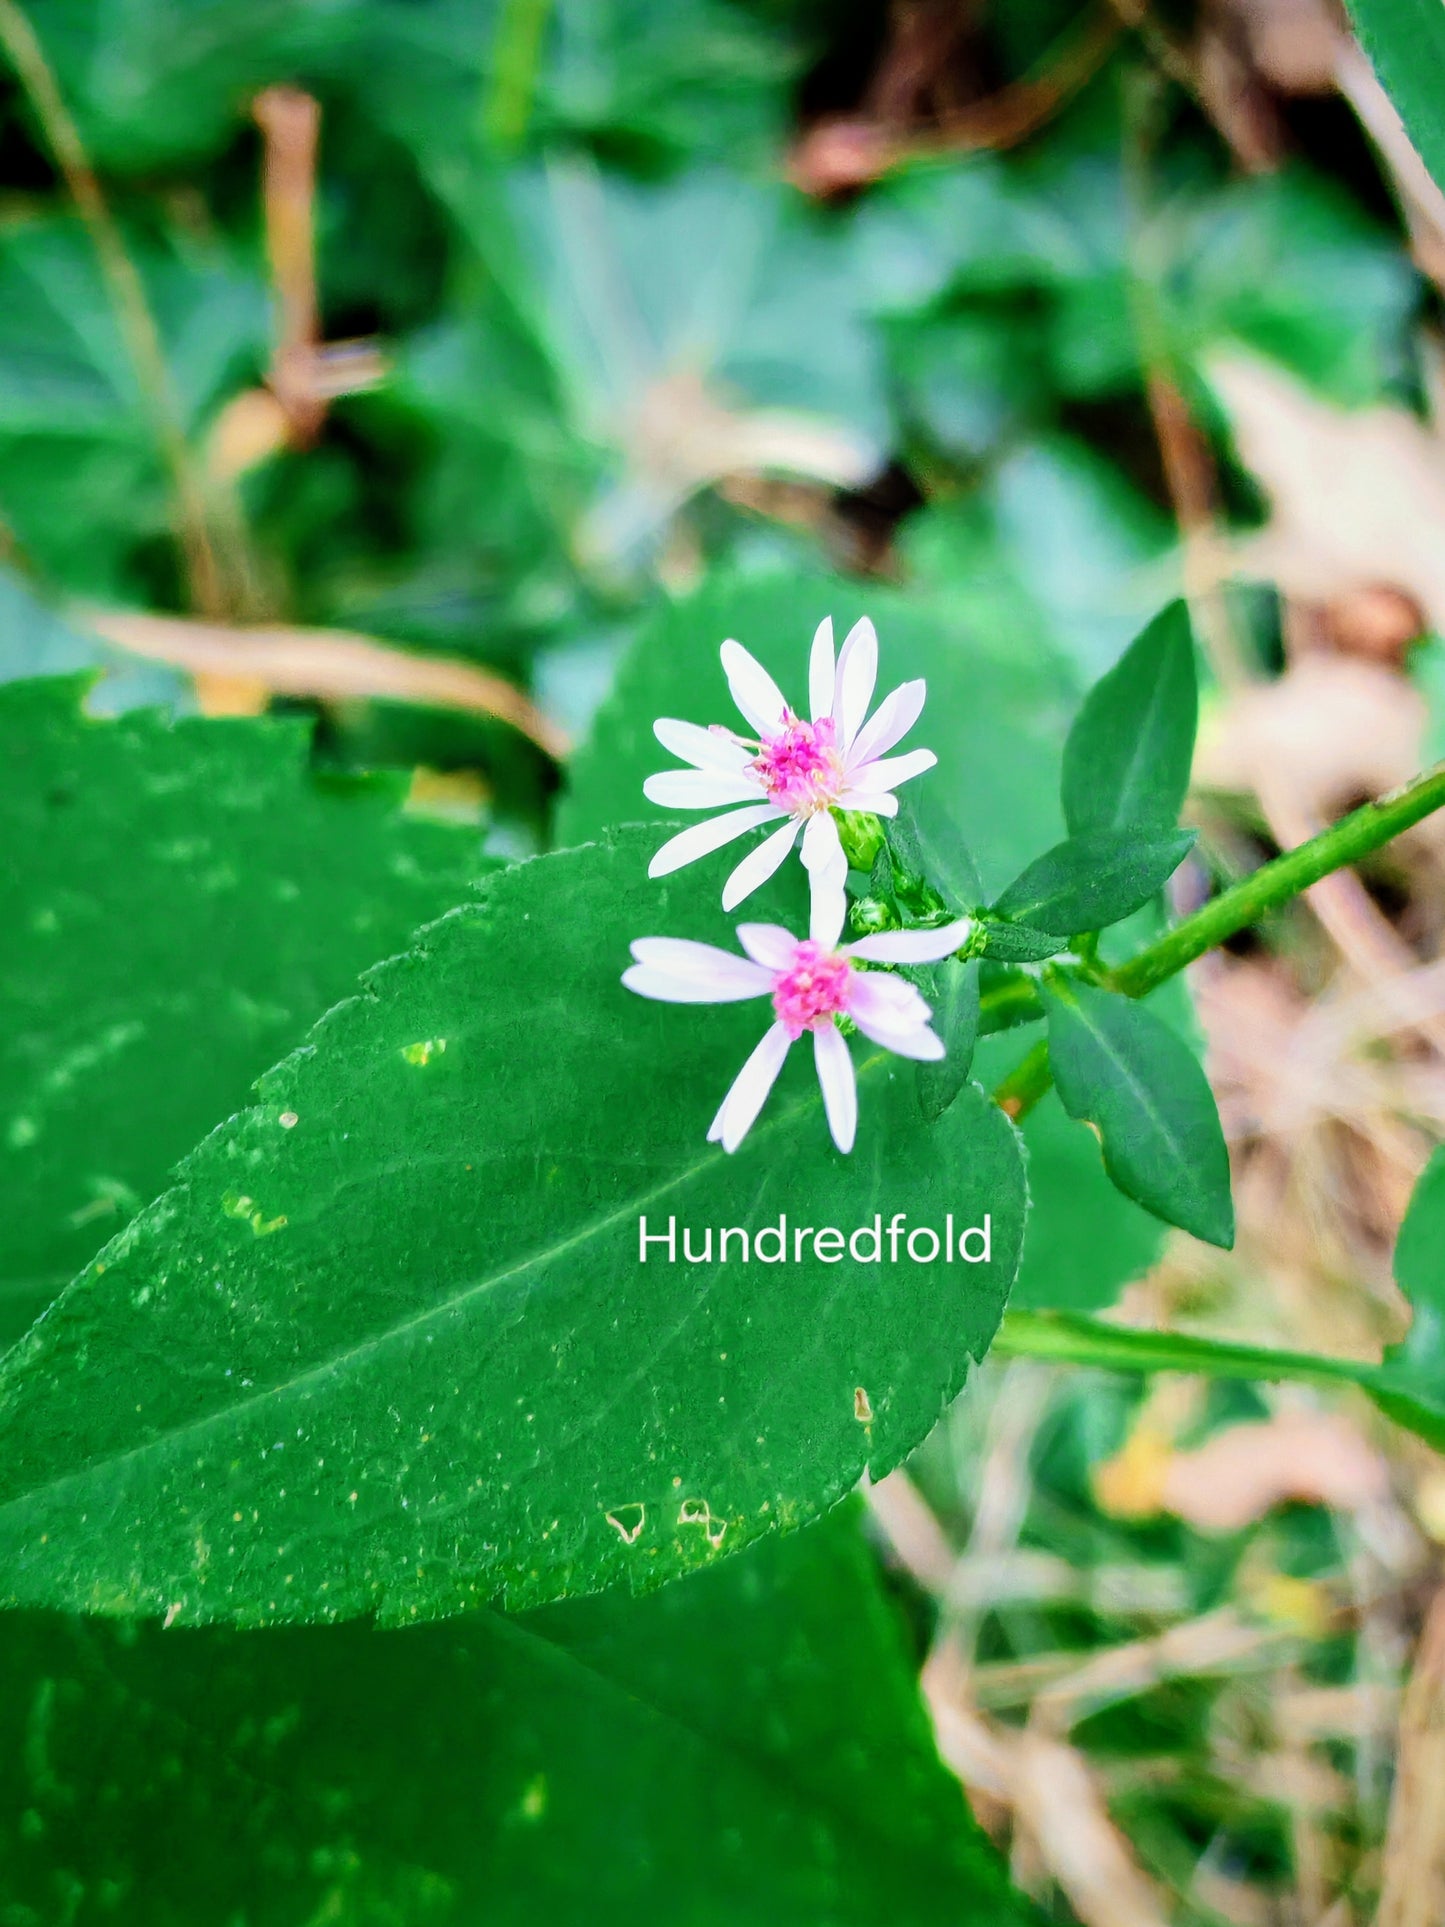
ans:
x=812 y=983
x=794 y=770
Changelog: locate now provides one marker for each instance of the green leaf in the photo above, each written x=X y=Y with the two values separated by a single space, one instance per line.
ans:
x=930 y=850
x=1093 y=880
x=1017 y=942
x=692 y=1756
x=1409 y=1384
x=35 y=641
x=995 y=720
x=154 y=82
x=83 y=486
x=604 y=305
x=954 y=987
x=1405 y=40
x=179 y=901
x=388 y=1347
x=1128 y=755
x=1122 y=1069
x=656 y=81
x=1086 y=1241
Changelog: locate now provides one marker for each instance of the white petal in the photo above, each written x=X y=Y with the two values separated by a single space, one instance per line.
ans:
x=700 y=789
x=893 y=1014
x=918 y=1042
x=754 y=691
x=759 y=864
x=703 y=748
x=703 y=838
x=823 y=848
x=889 y=723
x=838 y=1084
x=700 y=972
x=912 y=946
x=820 y=671
x=749 y=1088
x=768 y=944
x=886 y=1003
x=853 y=688
x=891 y=771
x=876 y=802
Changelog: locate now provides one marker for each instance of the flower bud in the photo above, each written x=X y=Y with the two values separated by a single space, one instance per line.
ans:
x=861 y=835
x=870 y=915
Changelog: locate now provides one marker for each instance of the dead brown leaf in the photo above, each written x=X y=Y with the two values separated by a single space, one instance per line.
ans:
x=1357 y=497
x=331 y=665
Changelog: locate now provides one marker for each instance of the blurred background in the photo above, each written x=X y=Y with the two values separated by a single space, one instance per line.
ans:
x=400 y=361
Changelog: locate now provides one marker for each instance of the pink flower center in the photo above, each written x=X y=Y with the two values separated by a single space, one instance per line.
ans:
x=812 y=990
x=801 y=768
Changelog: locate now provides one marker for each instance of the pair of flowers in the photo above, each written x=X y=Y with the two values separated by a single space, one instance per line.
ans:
x=796 y=772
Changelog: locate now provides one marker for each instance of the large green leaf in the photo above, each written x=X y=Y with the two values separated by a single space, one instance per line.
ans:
x=995 y=714
x=744 y=1748
x=1405 y=39
x=1122 y=1069
x=1129 y=752
x=389 y=1346
x=178 y=900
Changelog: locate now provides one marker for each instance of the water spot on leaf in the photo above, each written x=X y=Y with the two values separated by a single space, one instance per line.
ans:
x=423 y=1052
x=249 y=1212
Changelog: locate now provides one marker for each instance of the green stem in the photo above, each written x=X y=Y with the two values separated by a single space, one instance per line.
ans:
x=1070 y=1339
x=1244 y=903
x=1025 y=1083
x=1014 y=1001
x=1274 y=884
x=516 y=61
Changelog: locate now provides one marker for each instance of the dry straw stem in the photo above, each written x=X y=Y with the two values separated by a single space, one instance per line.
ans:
x=133 y=313
x=1413 y=1891
x=330 y=665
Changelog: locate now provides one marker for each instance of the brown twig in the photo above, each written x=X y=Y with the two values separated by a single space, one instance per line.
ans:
x=290 y=124
x=851 y=151
x=132 y=309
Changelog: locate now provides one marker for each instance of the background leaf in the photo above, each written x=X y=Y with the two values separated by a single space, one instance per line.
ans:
x=1405 y=40
x=1128 y=755
x=693 y=1755
x=181 y=899
x=1125 y=1071
x=394 y=1316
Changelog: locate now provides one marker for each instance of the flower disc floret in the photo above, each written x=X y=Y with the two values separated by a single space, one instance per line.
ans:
x=801 y=769
x=812 y=990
